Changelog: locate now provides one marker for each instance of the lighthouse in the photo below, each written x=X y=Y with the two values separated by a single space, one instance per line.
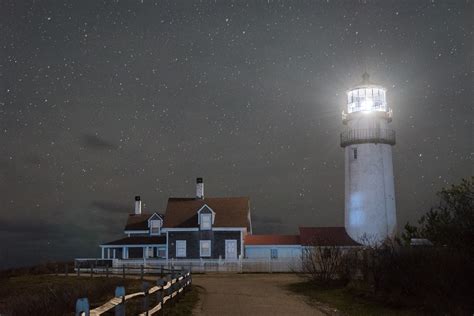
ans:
x=369 y=186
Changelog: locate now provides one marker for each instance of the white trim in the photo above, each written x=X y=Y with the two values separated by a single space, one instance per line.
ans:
x=131 y=245
x=213 y=213
x=136 y=231
x=190 y=229
x=167 y=241
x=232 y=229
x=249 y=216
x=200 y=248
x=241 y=244
x=160 y=220
x=195 y=229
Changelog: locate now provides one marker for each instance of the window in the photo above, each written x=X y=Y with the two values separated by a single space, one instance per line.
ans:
x=154 y=227
x=206 y=221
x=354 y=151
x=274 y=253
x=180 y=248
x=205 y=248
x=161 y=252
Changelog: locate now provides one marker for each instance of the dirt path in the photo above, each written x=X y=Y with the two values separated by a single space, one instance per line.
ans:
x=250 y=294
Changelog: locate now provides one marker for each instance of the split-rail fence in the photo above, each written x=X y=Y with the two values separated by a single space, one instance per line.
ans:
x=169 y=289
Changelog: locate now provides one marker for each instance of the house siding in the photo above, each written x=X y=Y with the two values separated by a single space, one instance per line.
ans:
x=264 y=252
x=192 y=238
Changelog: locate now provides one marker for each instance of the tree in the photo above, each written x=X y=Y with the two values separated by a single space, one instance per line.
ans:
x=451 y=223
x=322 y=261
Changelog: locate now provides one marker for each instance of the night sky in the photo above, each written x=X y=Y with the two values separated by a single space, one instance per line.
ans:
x=104 y=100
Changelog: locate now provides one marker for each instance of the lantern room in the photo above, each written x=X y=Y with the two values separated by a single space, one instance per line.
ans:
x=366 y=97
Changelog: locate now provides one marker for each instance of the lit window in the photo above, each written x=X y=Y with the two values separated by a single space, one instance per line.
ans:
x=180 y=248
x=206 y=221
x=205 y=248
x=274 y=253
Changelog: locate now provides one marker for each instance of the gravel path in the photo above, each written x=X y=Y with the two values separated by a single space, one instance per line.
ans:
x=249 y=294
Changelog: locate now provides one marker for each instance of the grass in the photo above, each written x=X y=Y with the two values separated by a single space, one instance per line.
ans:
x=57 y=295
x=346 y=301
x=185 y=305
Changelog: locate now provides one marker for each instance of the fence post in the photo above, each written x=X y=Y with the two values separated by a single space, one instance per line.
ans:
x=82 y=306
x=123 y=271
x=120 y=309
x=92 y=271
x=106 y=270
x=78 y=267
x=161 y=271
x=146 y=306
x=160 y=294
x=141 y=272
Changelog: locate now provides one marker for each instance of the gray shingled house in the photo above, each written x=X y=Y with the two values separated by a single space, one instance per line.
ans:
x=207 y=227
x=192 y=228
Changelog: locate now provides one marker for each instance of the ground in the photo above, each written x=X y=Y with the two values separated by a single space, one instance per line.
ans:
x=250 y=294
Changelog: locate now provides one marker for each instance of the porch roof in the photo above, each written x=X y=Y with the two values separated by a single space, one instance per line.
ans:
x=138 y=240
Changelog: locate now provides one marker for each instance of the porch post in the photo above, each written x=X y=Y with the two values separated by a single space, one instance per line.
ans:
x=108 y=253
x=113 y=253
x=125 y=253
x=102 y=251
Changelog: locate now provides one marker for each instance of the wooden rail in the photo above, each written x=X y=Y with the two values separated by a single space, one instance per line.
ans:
x=167 y=290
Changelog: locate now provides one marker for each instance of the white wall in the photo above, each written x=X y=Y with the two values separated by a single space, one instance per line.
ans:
x=369 y=187
x=264 y=251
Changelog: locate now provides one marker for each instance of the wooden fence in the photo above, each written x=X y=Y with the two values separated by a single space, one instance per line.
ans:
x=168 y=290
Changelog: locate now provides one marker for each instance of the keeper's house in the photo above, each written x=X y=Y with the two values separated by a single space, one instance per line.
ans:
x=212 y=228
x=191 y=228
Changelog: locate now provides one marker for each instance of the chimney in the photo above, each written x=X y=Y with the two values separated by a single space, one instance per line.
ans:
x=138 y=205
x=199 y=188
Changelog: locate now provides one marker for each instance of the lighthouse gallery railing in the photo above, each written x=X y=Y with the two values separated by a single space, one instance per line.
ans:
x=370 y=135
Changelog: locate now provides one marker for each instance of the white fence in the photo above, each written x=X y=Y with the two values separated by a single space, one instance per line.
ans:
x=215 y=265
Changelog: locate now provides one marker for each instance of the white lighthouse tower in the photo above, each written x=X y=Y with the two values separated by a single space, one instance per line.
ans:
x=367 y=142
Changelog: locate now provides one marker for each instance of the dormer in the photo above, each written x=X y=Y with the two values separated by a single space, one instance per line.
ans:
x=206 y=217
x=155 y=222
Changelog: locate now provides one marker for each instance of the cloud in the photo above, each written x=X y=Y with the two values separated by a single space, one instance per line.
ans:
x=109 y=206
x=96 y=142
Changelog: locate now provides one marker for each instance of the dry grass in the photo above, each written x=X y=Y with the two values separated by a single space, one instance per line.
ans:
x=55 y=295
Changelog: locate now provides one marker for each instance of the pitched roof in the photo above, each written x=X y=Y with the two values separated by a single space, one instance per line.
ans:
x=230 y=212
x=326 y=236
x=139 y=240
x=272 y=240
x=138 y=221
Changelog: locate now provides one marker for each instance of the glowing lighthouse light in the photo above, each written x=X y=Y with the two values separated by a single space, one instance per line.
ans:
x=366 y=97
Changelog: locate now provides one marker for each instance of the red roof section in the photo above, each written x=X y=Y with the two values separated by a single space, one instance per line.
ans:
x=139 y=221
x=326 y=236
x=230 y=212
x=272 y=240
